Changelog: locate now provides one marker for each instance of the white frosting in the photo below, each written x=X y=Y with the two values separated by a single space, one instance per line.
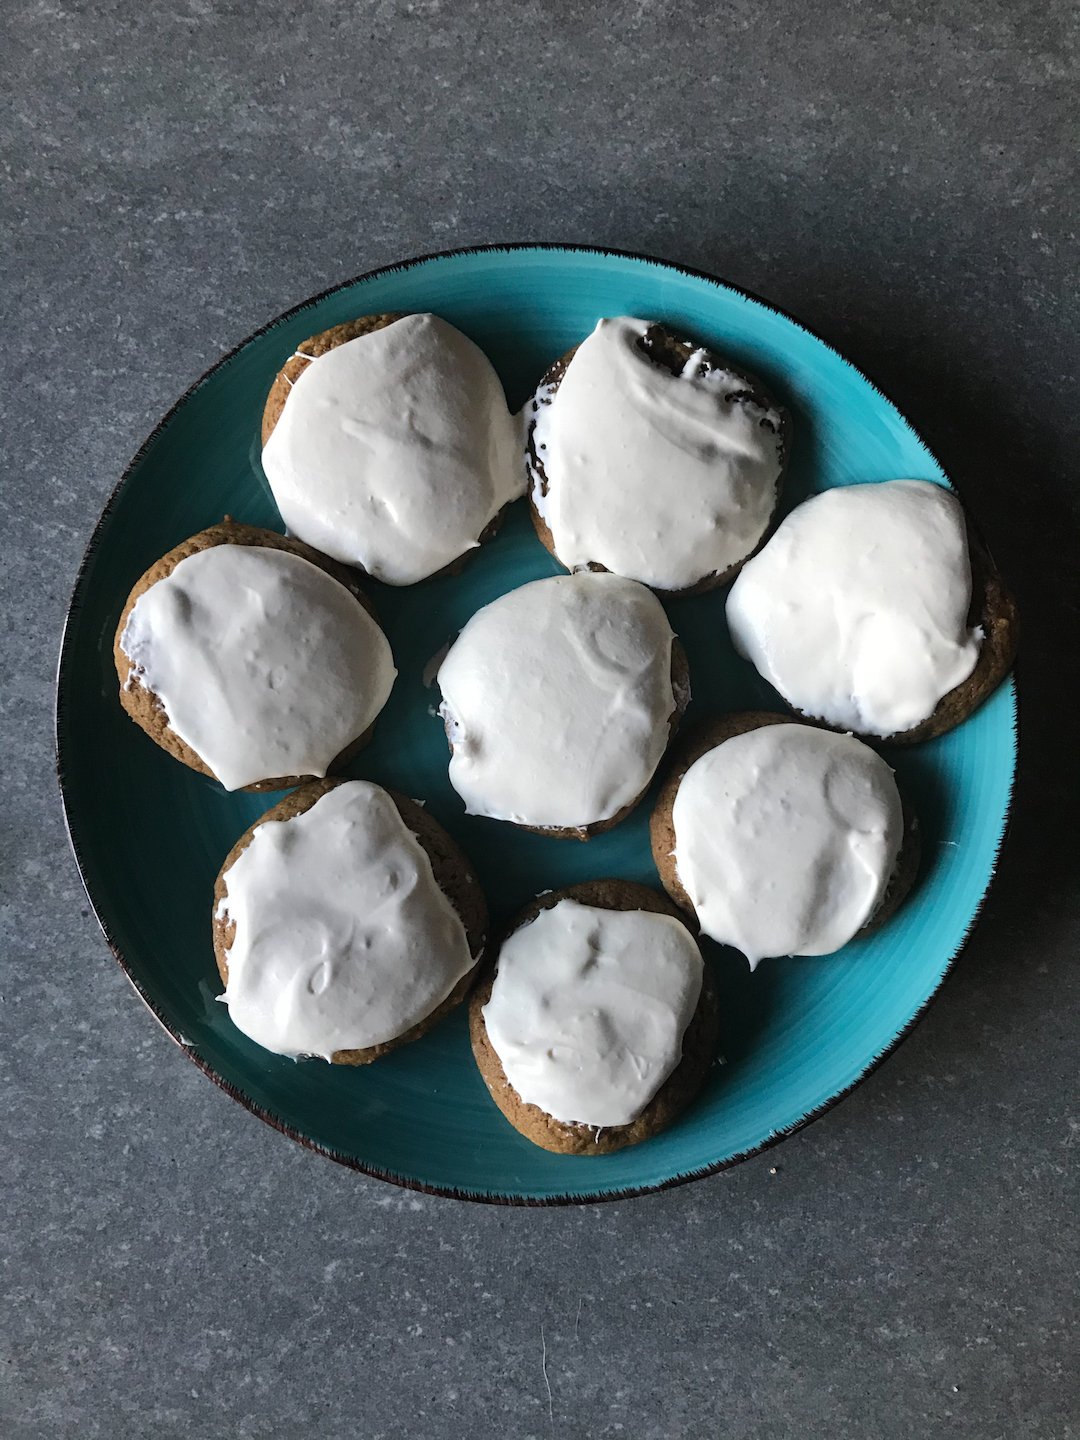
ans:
x=589 y=1008
x=663 y=478
x=395 y=450
x=786 y=838
x=556 y=699
x=856 y=610
x=344 y=939
x=266 y=666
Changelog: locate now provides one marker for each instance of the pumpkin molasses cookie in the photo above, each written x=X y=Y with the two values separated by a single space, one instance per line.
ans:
x=598 y=1022
x=651 y=457
x=559 y=699
x=346 y=922
x=873 y=609
x=388 y=445
x=781 y=838
x=251 y=658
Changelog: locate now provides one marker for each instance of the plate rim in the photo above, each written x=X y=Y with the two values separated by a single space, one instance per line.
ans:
x=64 y=661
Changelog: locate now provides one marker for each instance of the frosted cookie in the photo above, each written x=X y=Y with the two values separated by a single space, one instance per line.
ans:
x=346 y=922
x=650 y=457
x=559 y=699
x=388 y=445
x=599 y=1021
x=782 y=839
x=251 y=658
x=871 y=609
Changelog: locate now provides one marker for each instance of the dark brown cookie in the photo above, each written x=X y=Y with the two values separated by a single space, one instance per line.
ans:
x=453 y=874
x=671 y=352
x=143 y=705
x=708 y=736
x=681 y=1086
x=310 y=349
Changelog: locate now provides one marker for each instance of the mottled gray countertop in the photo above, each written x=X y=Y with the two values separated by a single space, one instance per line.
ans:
x=903 y=176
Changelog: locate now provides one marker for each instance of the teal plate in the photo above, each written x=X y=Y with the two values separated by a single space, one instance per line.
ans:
x=149 y=835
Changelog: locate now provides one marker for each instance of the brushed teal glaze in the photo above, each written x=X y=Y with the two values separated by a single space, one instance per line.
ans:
x=150 y=835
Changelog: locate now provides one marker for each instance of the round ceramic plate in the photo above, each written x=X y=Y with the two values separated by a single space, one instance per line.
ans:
x=149 y=835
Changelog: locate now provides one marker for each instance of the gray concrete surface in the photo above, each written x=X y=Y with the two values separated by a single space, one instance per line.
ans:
x=904 y=176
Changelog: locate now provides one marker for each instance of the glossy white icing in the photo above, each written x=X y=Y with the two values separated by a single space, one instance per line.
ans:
x=857 y=608
x=394 y=451
x=663 y=478
x=266 y=665
x=589 y=1007
x=556 y=699
x=785 y=839
x=343 y=940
